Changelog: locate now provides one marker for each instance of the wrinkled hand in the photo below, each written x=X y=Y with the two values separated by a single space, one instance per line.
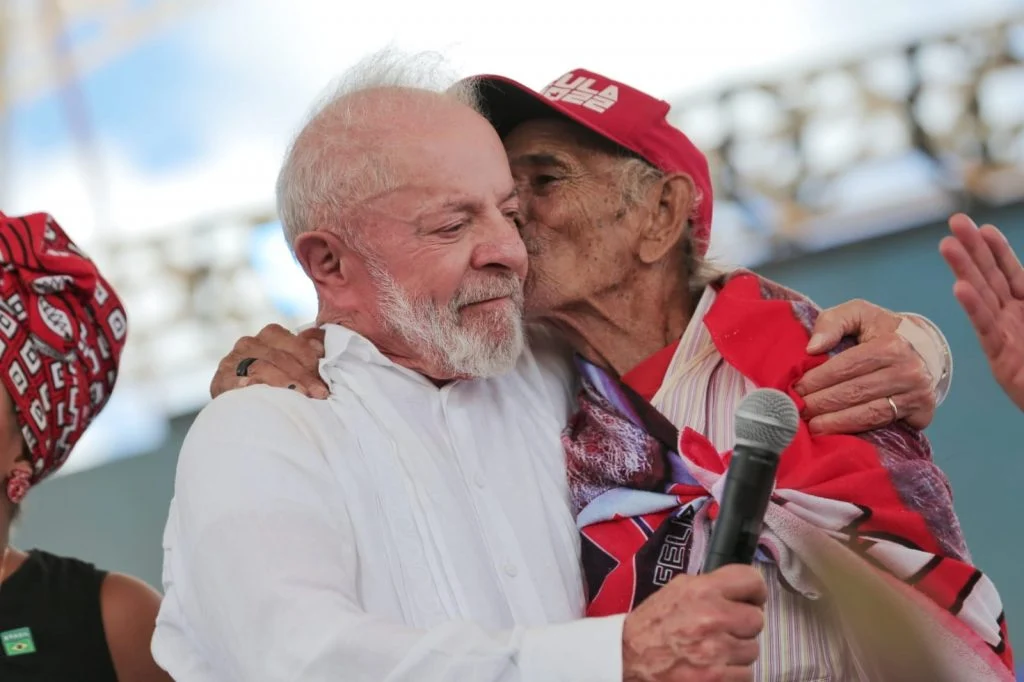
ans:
x=283 y=360
x=990 y=288
x=847 y=394
x=696 y=629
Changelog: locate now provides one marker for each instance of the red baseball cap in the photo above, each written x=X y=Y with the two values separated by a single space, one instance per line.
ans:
x=629 y=118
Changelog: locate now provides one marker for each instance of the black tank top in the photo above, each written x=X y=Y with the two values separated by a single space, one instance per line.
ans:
x=51 y=626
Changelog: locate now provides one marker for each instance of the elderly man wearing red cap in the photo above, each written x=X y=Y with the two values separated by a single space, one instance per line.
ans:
x=642 y=305
x=692 y=342
x=62 y=329
x=417 y=524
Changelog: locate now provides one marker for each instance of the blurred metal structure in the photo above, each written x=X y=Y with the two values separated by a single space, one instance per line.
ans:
x=51 y=43
x=46 y=46
x=939 y=123
x=191 y=292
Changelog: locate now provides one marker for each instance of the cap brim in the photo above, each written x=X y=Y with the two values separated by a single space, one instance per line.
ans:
x=507 y=103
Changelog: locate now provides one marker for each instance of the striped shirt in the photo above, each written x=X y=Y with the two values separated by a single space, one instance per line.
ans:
x=701 y=391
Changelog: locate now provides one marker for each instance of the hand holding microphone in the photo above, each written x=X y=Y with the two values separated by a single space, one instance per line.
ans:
x=766 y=423
x=706 y=626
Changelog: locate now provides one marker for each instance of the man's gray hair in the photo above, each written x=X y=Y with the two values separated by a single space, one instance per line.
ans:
x=329 y=167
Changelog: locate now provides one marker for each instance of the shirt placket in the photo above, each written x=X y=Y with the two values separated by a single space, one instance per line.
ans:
x=506 y=554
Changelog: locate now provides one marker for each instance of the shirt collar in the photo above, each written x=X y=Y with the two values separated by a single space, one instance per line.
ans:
x=696 y=336
x=342 y=345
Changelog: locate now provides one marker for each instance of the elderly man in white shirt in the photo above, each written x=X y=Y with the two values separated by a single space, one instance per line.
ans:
x=415 y=525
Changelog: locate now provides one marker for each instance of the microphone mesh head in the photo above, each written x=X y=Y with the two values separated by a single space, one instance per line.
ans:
x=767 y=419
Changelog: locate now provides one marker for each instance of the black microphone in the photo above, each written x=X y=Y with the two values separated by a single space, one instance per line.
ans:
x=766 y=423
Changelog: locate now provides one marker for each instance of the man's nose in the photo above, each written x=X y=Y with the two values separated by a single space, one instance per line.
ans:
x=500 y=246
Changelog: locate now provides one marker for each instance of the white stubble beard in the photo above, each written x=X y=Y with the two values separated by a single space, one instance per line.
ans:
x=436 y=333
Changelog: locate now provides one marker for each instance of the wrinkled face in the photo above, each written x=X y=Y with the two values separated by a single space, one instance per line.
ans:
x=446 y=263
x=580 y=236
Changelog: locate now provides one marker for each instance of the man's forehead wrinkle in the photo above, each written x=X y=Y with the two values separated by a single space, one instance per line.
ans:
x=557 y=137
x=564 y=152
x=586 y=164
x=540 y=158
x=426 y=199
x=545 y=159
x=435 y=200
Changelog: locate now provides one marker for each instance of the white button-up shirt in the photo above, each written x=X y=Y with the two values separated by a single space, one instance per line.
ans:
x=396 y=531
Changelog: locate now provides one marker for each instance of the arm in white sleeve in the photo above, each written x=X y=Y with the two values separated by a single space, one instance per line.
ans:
x=271 y=563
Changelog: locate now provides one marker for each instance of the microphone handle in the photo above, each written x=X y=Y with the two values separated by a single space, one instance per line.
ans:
x=749 y=482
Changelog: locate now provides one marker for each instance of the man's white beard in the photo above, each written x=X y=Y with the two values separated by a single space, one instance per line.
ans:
x=488 y=348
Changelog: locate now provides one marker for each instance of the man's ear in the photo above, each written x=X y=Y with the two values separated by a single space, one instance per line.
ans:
x=322 y=255
x=671 y=201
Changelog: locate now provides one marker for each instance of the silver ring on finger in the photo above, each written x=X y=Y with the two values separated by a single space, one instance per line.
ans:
x=895 y=410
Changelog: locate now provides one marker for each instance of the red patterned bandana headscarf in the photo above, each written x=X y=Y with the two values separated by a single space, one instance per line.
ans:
x=62 y=329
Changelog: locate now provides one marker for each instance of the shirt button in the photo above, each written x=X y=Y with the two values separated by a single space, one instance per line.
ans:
x=510 y=570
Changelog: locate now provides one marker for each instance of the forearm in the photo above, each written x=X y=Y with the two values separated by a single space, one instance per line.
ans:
x=273 y=623
x=374 y=651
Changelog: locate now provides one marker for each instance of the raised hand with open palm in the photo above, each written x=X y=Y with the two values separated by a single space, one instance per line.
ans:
x=990 y=288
